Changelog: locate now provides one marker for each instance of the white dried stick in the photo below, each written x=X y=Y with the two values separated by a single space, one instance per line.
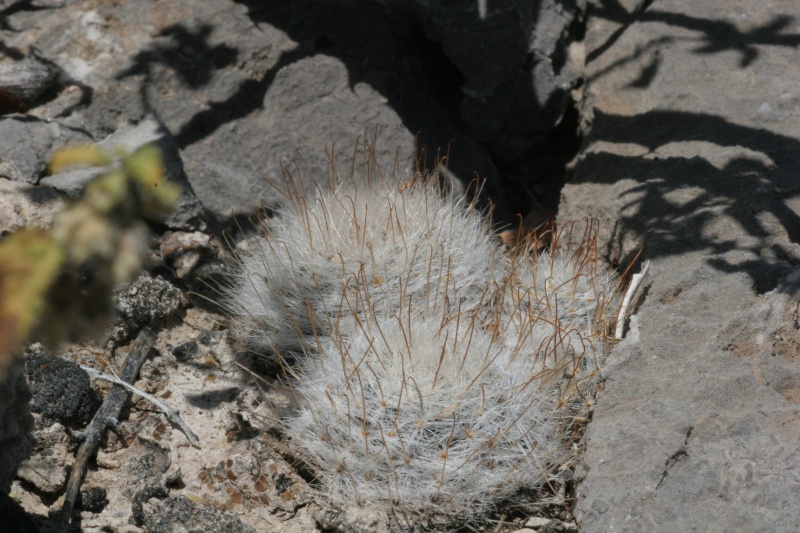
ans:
x=168 y=411
x=636 y=282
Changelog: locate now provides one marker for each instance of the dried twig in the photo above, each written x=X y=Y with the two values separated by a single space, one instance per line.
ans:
x=636 y=282
x=170 y=413
x=105 y=417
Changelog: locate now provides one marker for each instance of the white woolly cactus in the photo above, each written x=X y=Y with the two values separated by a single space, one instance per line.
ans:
x=433 y=370
x=425 y=415
x=389 y=242
x=555 y=307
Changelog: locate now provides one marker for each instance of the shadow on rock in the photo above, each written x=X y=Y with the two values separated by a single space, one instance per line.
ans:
x=743 y=178
x=718 y=35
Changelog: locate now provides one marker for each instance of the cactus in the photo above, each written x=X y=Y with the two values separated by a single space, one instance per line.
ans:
x=432 y=370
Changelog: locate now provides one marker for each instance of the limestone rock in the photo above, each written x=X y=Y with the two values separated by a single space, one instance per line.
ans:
x=24 y=205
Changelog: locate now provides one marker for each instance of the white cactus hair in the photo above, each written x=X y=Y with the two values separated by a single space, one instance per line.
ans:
x=398 y=237
x=433 y=370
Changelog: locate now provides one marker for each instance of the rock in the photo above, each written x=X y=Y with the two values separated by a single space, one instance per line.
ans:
x=557 y=526
x=27 y=143
x=697 y=427
x=170 y=59
x=536 y=522
x=362 y=520
x=266 y=112
x=148 y=465
x=16 y=424
x=92 y=499
x=46 y=469
x=61 y=390
x=24 y=205
x=145 y=300
x=183 y=250
x=240 y=95
x=164 y=516
x=187 y=213
x=27 y=79
x=309 y=105
x=186 y=351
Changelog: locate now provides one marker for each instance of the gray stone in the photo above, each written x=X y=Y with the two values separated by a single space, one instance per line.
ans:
x=297 y=127
x=27 y=143
x=236 y=86
x=27 y=79
x=697 y=428
x=187 y=213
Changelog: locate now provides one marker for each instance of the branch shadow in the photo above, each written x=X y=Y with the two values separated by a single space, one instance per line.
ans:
x=187 y=52
x=744 y=189
x=718 y=35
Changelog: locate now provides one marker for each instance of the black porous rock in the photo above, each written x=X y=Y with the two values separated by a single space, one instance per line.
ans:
x=61 y=390
x=93 y=499
x=161 y=516
x=147 y=299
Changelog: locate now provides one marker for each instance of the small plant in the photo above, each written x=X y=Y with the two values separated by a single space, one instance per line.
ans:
x=433 y=370
x=391 y=243
x=56 y=284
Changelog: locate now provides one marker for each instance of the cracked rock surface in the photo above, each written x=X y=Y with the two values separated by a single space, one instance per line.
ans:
x=694 y=156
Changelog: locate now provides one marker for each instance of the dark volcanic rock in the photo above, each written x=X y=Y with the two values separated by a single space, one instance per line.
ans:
x=145 y=300
x=61 y=390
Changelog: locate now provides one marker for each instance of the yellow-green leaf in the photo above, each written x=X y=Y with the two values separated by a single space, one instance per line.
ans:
x=81 y=155
x=29 y=262
x=146 y=167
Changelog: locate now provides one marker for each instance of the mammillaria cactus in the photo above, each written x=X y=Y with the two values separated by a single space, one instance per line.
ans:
x=433 y=370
